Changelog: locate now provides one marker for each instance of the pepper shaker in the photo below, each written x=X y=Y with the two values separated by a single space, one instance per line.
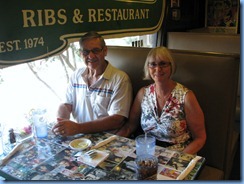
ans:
x=12 y=138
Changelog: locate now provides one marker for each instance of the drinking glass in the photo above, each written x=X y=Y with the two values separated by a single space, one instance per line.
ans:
x=39 y=123
x=145 y=144
x=146 y=167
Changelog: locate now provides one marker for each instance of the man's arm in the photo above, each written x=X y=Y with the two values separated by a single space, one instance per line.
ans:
x=107 y=123
x=66 y=127
x=134 y=119
x=64 y=111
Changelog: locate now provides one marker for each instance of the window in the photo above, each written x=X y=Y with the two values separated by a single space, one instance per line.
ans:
x=42 y=83
x=134 y=41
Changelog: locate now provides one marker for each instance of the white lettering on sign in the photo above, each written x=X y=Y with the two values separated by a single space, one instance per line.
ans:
x=33 y=42
x=15 y=45
x=101 y=15
x=9 y=46
x=46 y=17
x=49 y=17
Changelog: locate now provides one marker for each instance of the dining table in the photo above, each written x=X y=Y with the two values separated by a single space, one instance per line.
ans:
x=54 y=158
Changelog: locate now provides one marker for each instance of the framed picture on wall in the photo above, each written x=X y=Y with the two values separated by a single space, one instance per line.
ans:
x=222 y=16
x=175 y=3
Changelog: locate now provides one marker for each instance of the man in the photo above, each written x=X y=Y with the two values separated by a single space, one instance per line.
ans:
x=99 y=96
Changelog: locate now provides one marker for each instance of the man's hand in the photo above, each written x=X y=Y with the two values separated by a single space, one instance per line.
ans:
x=65 y=127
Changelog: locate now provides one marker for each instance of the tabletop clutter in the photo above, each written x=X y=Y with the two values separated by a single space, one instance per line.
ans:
x=100 y=156
x=146 y=164
x=92 y=156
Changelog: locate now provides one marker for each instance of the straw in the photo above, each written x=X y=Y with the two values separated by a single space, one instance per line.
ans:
x=145 y=137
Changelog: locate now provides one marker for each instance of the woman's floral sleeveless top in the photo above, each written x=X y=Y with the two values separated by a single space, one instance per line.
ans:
x=169 y=126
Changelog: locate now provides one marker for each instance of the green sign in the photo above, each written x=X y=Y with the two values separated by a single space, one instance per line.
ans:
x=35 y=29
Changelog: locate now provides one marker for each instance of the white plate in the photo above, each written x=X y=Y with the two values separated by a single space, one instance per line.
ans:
x=80 y=144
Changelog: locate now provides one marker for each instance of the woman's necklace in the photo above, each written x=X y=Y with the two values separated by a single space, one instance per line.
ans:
x=161 y=100
x=167 y=93
x=164 y=98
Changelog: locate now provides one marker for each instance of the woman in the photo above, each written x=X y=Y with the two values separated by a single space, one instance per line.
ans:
x=167 y=109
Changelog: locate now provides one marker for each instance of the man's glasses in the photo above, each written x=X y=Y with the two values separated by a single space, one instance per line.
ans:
x=94 y=51
x=161 y=64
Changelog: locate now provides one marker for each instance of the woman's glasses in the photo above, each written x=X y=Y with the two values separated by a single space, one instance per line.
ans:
x=161 y=64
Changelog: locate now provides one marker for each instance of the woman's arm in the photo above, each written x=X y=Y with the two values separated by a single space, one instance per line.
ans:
x=195 y=123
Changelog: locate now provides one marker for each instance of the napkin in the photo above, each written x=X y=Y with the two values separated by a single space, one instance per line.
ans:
x=100 y=157
x=188 y=169
x=11 y=153
x=16 y=148
x=102 y=143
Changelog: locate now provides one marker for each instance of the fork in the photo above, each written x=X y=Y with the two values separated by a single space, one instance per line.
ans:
x=91 y=153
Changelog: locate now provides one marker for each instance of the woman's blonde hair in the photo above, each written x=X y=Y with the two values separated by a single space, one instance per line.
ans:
x=158 y=53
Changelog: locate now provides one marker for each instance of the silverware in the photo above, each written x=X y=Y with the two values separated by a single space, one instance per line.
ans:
x=91 y=154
